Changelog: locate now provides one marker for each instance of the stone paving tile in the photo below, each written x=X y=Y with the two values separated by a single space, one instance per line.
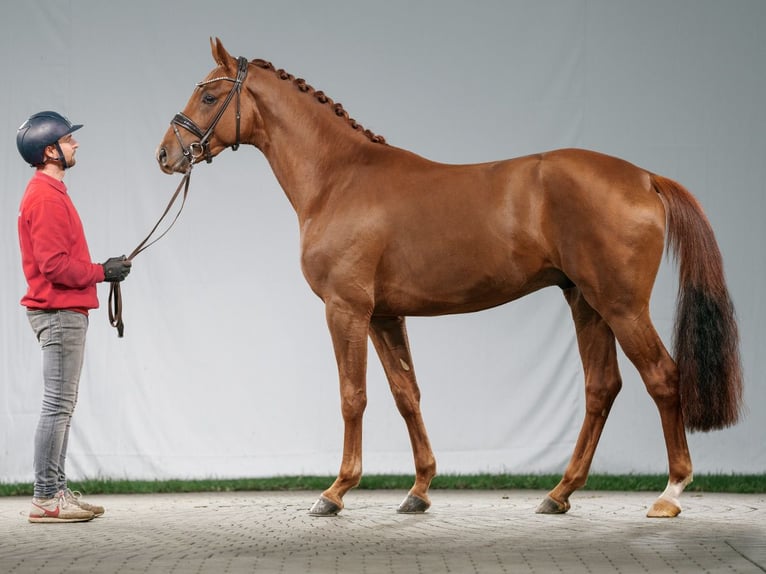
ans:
x=465 y=532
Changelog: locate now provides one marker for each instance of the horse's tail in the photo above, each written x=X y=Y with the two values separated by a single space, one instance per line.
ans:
x=705 y=339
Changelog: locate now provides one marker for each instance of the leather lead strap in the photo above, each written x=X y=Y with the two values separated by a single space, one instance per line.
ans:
x=115 y=292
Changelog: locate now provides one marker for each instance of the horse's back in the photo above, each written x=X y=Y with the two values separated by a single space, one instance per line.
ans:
x=569 y=216
x=437 y=238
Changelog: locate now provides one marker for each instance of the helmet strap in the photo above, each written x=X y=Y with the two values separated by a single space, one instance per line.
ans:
x=61 y=157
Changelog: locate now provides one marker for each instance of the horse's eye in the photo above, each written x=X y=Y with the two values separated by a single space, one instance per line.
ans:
x=209 y=98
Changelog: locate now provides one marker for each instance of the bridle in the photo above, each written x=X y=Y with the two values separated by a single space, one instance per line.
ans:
x=199 y=149
x=193 y=152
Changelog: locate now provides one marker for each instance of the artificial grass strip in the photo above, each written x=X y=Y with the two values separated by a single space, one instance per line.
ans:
x=730 y=483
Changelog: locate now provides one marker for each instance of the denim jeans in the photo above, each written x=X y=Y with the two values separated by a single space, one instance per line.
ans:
x=62 y=339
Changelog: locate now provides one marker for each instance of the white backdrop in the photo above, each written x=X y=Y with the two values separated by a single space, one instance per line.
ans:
x=226 y=368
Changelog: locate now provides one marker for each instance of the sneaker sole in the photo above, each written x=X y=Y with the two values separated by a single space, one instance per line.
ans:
x=96 y=513
x=50 y=519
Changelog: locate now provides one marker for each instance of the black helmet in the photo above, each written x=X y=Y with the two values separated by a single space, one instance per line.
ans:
x=40 y=131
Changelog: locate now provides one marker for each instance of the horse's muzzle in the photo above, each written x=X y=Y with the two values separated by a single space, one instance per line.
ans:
x=162 y=160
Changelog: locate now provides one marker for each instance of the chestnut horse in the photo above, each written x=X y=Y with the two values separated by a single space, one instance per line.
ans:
x=387 y=234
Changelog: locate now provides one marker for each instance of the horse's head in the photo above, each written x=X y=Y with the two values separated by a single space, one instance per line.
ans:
x=210 y=122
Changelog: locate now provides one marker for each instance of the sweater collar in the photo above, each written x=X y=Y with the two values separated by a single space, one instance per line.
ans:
x=56 y=184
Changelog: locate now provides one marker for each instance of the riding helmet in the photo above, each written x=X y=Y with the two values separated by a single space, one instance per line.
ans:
x=38 y=132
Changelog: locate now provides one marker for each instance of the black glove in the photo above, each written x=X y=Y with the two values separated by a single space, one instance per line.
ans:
x=116 y=268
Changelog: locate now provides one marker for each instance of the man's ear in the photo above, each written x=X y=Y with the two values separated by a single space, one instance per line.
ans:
x=53 y=152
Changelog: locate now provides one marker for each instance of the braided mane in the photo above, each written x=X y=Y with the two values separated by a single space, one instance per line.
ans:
x=301 y=84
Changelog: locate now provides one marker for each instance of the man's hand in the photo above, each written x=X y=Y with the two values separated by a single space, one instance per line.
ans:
x=116 y=268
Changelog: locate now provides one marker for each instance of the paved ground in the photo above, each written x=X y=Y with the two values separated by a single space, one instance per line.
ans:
x=464 y=532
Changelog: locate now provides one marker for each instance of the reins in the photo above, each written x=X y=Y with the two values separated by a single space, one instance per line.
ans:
x=115 y=292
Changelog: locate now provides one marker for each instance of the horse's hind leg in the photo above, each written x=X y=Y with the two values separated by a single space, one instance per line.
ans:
x=643 y=347
x=389 y=335
x=602 y=384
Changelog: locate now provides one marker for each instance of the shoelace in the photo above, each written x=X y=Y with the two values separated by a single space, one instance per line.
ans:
x=72 y=496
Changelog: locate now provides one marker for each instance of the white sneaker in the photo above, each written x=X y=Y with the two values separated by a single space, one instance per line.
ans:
x=57 y=509
x=73 y=498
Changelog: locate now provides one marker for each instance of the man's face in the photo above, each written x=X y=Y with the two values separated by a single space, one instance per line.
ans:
x=68 y=147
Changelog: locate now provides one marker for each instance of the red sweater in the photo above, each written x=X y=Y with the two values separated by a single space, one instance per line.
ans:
x=54 y=253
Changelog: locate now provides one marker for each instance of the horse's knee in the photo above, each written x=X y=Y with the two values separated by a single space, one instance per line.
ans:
x=353 y=404
x=406 y=397
x=408 y=408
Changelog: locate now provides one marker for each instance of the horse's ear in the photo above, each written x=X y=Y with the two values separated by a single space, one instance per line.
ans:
x=220 y=55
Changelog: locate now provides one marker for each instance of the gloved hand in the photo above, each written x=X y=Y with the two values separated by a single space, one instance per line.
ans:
x=116 y=268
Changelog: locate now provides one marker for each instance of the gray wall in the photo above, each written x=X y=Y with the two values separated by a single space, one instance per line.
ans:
x=226 y=368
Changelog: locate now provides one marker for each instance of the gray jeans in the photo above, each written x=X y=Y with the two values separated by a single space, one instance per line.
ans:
x=62 y=338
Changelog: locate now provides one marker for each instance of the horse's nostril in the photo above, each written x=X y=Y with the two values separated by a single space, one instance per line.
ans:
x=162 y=156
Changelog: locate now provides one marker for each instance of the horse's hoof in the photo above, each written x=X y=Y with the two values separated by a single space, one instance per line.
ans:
x=324 y=507
x=663 y=508
x=413 y=505
x=550 y=506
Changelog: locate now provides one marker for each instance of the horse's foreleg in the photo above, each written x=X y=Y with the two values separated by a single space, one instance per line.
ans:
x=389 y=335
x=349 y=336
x=602 y=384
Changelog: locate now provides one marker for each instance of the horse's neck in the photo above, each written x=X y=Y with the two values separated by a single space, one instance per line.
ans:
x=305 y=143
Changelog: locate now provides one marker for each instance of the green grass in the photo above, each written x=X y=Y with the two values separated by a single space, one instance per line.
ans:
x=734 y=483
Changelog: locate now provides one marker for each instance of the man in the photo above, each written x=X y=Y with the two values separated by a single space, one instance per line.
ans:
x=61 y=289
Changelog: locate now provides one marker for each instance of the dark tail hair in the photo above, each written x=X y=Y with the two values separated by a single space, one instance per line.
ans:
x=706 y=339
